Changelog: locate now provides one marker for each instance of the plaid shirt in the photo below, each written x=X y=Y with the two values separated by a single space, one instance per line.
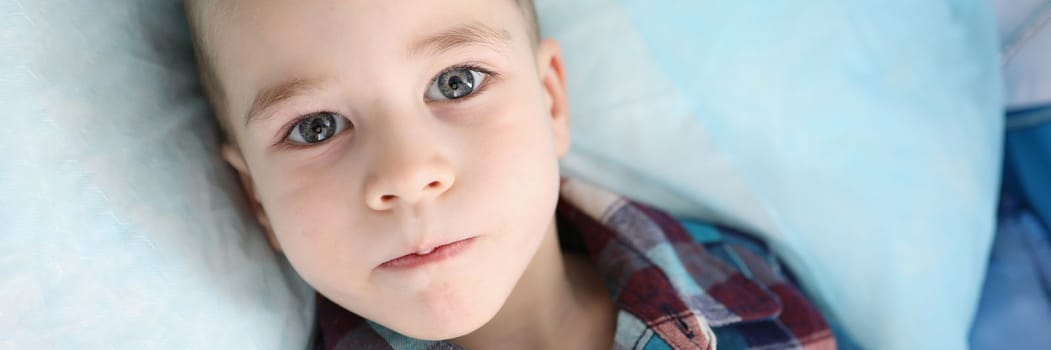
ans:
x=677 y=285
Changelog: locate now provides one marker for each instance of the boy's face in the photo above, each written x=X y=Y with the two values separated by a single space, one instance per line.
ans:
x=425 y=123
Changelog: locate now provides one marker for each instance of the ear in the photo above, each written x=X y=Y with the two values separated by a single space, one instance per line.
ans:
x=553 y=77
x=234 y=157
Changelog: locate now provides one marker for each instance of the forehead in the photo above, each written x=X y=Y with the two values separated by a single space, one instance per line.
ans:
x=368 y=26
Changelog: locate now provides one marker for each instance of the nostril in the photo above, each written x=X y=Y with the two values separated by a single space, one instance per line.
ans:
x=387 y=198
x=434 y=184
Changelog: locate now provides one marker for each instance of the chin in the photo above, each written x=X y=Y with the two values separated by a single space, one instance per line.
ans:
x=443 y=328
x=448 y=314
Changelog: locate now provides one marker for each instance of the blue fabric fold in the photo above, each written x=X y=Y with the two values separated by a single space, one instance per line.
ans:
x=1015 y=307
x=1029 y=157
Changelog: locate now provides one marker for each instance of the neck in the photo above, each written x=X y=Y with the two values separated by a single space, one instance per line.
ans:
x=558 y=300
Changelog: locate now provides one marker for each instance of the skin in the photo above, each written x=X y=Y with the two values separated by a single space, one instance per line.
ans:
x=410 y=172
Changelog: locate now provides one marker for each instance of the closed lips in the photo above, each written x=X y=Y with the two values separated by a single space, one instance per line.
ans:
x=428 y=256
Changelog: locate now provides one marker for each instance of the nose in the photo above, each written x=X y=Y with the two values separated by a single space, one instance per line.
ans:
x=412 y=186
x=406 y=173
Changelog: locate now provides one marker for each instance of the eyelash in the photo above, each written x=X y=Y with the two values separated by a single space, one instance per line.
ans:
x=284 y=145
x=468 y=66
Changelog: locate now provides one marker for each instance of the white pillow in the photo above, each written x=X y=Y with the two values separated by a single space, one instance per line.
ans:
x=122 y=228
x=862 y=138
x=1025 y=36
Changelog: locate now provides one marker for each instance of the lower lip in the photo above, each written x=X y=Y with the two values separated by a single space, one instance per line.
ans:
x=440 y=253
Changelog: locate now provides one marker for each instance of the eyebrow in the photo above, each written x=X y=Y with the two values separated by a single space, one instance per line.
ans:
x=270 y=96
x=463 y=35
x=459 y=36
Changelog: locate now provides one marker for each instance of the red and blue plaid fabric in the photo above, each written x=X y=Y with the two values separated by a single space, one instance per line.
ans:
x=677 y=287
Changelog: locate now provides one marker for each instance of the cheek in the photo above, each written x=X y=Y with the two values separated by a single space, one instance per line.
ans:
x=518 y=141
x=300 y=203
x=311 y=217
x=514 y=161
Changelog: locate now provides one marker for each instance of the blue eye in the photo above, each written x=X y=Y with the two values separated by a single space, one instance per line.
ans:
x=455 y=84
x=317 y=128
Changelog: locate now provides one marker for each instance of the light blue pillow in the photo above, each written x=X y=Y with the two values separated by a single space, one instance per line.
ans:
x=862 y=138
x=856 y=136
x=121 y=227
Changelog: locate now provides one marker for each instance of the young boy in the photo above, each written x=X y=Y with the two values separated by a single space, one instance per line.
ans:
x=404 y=156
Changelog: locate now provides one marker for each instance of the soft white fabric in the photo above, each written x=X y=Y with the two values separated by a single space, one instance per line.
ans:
x=122 y=229
x=1025 y=35
x=862 y=138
